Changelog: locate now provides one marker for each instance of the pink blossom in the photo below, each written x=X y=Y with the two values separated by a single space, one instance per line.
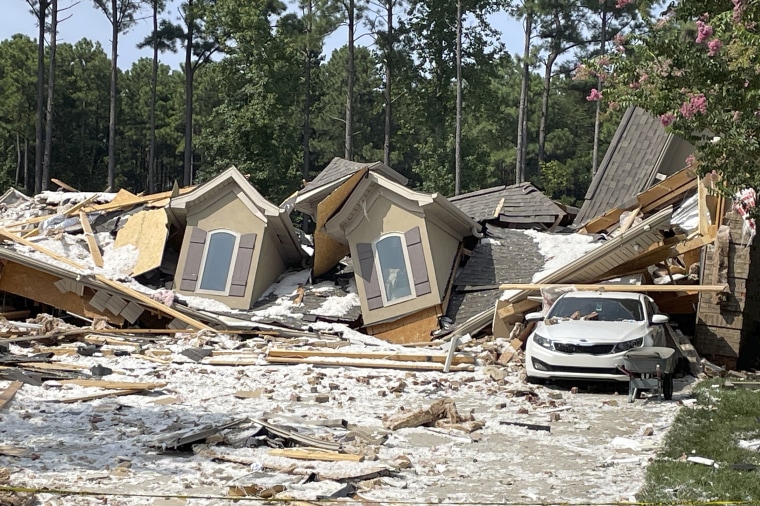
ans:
x=690 y=160
x=738 y=10
x=704 y=31
x=622 y=3
x=736 y=116
x=667 y=118
x=594 y=95
x=714 y=46
x=614 y=106
x=697 y=104
x=635 y=85
x=643 y=78
x=746 y=83
x=603 y=60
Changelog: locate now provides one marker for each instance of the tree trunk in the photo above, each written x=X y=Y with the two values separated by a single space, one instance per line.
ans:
x=545 y=106
x=523 y=109
x=46 y=162
x=349 y=154
x=597 y=117
x=36 y=185
x=188 y=164
x=112 y=115
x=153 y=85
x=18 y=158
x=458 y=135
x=307 y=99
x=388 y=74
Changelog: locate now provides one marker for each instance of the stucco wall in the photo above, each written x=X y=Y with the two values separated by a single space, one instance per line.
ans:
x=382 y=217
x=228 y=212
x=444 y=253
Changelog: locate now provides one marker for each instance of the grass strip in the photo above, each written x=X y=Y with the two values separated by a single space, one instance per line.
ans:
x=712 y=428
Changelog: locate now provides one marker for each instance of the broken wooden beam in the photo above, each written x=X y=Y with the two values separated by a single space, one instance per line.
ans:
x=100 y=395
x=616 y=288
x=312 y=454
x=529 y=426
x=9 y=392
x=390 y=364
x=401 y=357
x=92 y=244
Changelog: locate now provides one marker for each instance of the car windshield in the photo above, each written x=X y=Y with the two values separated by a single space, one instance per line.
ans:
x=597 y=308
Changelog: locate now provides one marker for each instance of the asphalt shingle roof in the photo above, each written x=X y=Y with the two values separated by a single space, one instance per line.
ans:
x=338 y=168
x=630 y=164
x=520 y=204
x=507 y=256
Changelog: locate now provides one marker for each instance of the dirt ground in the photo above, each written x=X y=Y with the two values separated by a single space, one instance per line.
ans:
x=597 y=448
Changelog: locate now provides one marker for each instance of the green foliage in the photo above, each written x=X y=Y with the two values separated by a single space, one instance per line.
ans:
x=696 y=68
x=711 y=429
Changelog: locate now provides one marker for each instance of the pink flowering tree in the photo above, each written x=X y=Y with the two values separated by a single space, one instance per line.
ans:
x=697 y=68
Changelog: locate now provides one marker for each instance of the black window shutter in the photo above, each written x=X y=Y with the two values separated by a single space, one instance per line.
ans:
x=193 y=259
x=242 y=268
x=368 y=274
x=417 y=261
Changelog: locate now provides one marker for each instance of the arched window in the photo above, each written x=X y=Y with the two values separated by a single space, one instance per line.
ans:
x=218 y=260
x=393 y=266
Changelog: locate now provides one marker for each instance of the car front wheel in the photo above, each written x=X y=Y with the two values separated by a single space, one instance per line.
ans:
x=667 y=386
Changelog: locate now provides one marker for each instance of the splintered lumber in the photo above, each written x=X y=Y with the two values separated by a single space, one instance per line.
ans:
x=617 y=288
x=97 y=258
x=402 y=357
x=15 y=238
x=311 y=454
x=529 y=426
x=100 y=395
x=300 y=439
x=438 y=410
x=390 y=364
x=13 y=451
x=116 y=385
x=63 y=185
x=9 y=392
x=687 y=349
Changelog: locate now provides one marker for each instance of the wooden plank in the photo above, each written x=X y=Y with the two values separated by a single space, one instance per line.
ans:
x=9 y=392
x=97 y=258
x=409 y=329
x=147 y=232
x=113 y=385
x=617 y=288
x=101 y=395
x=403 y=357
x=516 y=309
x=127 y=201
x=63 y=185
x=305 y=454
x=390 y=364
x=686 y=348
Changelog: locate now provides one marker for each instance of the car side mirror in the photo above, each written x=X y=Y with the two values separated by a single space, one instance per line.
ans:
x=659 y=319
x=534 y=317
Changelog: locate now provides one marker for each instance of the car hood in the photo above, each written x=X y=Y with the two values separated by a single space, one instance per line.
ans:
x=591 y=331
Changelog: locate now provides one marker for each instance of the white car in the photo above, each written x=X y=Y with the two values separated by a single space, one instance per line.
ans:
x=585 y=335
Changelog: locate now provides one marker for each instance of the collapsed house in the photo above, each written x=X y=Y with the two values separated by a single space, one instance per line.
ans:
x=418 y=265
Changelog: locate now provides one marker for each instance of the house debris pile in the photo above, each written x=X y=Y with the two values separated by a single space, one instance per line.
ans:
x=207 y=415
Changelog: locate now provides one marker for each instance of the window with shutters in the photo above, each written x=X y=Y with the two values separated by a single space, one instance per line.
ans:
x=393 y=268
x=392 y=262
x=218 y=257
x=217 y=262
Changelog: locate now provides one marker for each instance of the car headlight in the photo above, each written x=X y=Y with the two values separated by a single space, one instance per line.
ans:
x=628 y=345
x=543 y=342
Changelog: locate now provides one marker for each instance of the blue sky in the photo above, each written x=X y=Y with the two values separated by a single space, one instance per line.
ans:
x=87 y=21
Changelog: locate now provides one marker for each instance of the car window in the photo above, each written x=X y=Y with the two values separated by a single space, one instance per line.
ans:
x=597 y=308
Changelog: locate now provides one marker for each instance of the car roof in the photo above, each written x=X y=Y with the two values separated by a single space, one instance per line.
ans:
x=604 y=295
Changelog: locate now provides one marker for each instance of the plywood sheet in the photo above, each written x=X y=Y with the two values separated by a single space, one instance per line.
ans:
x=409 y=329
x=328 y=251
x=147 y=232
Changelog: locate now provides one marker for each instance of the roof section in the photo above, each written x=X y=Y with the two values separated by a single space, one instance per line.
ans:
x=506 y=256
x=519 y=204
x=640 y=149
x=337 y=171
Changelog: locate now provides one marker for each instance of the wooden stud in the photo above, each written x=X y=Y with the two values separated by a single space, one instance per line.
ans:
x=9 y=392
x=304 y=454
x=97 y=258
x=618 y=288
